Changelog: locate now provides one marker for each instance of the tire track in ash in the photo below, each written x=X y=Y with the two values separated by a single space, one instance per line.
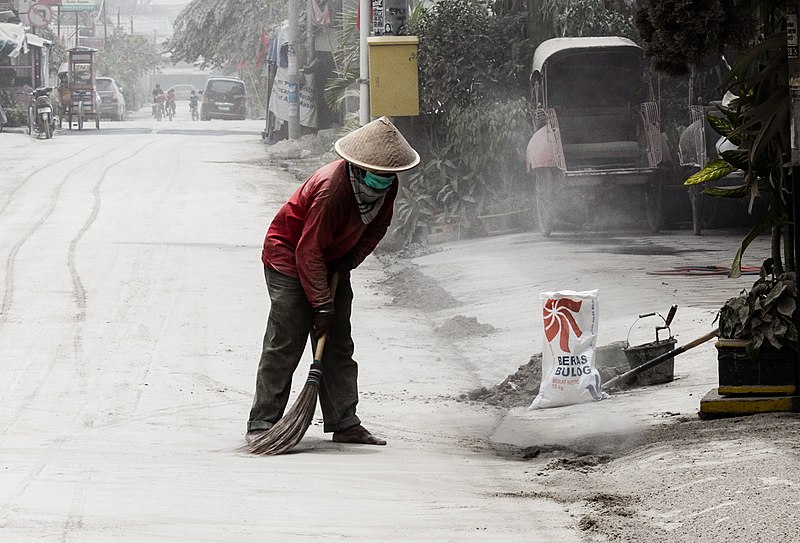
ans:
x=22 y=406
x=8 y=294
x=10 y=195
x=78 y=290
x=74 y=522
x=75 y=518
x=109 y=395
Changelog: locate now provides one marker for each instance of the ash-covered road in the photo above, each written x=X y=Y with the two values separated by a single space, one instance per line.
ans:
x=133 y=307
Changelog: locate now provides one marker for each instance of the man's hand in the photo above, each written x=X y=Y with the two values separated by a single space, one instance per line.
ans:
x=324 y=317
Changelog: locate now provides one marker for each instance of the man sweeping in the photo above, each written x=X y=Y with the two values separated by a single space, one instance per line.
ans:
x=329 y=225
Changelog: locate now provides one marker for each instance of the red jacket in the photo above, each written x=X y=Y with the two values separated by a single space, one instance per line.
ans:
x=320 y=224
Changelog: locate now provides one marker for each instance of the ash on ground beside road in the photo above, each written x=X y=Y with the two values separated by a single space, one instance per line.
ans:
x=461 y=327
x=517 y=390
x=411 y=288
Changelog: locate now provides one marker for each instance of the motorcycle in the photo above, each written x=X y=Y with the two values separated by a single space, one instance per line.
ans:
x=170 y=106
x=158 y=107
x=41 y=118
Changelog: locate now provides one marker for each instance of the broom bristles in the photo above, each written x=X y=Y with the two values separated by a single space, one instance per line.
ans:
x=287 y=432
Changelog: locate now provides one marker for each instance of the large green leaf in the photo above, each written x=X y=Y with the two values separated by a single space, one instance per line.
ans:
x=763 y=226
x=716 y=169
x=728 y=192
x=737 y=157
x=721 y=126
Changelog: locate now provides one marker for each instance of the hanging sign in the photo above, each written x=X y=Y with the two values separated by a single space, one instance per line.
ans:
x=39 y=15
x=78 y=5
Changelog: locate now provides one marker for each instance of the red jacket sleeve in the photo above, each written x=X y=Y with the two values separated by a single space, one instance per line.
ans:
x=317 y=234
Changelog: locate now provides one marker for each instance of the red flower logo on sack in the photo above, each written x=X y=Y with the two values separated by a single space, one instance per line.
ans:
x=558 y=319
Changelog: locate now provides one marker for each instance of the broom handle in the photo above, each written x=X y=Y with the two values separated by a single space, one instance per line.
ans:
x=321 y=341
x=620 y=379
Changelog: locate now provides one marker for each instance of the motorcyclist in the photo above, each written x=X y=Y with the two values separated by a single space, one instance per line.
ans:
x=158 y=100
x=171 y=100
x=193 y=103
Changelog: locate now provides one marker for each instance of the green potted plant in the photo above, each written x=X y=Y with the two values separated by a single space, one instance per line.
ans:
x=758 y=340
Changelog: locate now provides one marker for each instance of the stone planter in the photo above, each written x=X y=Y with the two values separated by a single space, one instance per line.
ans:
x=442 y=233
x=773 y=372
x=503 y=223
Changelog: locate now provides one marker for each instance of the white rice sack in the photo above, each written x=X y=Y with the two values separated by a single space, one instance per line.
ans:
x=569 y=375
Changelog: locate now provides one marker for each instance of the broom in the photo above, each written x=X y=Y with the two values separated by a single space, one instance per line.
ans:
x=287 y=432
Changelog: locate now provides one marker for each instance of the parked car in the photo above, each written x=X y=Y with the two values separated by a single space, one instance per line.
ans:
x=597 y=142
x=112 y=101
x=223 y=98
x=182 y=91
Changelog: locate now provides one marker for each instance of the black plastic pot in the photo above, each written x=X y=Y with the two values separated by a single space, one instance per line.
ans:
x=771 y=372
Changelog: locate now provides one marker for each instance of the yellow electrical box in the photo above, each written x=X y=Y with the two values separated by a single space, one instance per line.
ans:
x=393 y=77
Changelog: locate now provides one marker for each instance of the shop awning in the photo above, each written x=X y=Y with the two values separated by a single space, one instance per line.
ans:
x=15 y=40
x=37 y=41
x=12 y=40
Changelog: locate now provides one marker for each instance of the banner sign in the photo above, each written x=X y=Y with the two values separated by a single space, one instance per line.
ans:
x=279 y=101
x=78 y=5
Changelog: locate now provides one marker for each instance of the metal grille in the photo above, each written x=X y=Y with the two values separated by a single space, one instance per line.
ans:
x=555 y=134
x=652 y=124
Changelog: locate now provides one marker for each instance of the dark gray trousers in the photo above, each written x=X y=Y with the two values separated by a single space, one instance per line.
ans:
x=288 y=328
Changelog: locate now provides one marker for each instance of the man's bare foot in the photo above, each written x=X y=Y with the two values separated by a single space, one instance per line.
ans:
x=357 y=434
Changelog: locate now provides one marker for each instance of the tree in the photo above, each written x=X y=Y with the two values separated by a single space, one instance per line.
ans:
x=223 y=32
x=558 y=18
x=681 y=34
x=126 y=58
x=756 y=121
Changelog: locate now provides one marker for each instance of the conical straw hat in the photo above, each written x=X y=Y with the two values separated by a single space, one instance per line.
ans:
x=377 y=146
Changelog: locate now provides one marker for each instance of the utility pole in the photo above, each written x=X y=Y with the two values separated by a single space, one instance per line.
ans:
x=105 y=26
x=793 y=51
x=293 y=73
x=365 y=21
